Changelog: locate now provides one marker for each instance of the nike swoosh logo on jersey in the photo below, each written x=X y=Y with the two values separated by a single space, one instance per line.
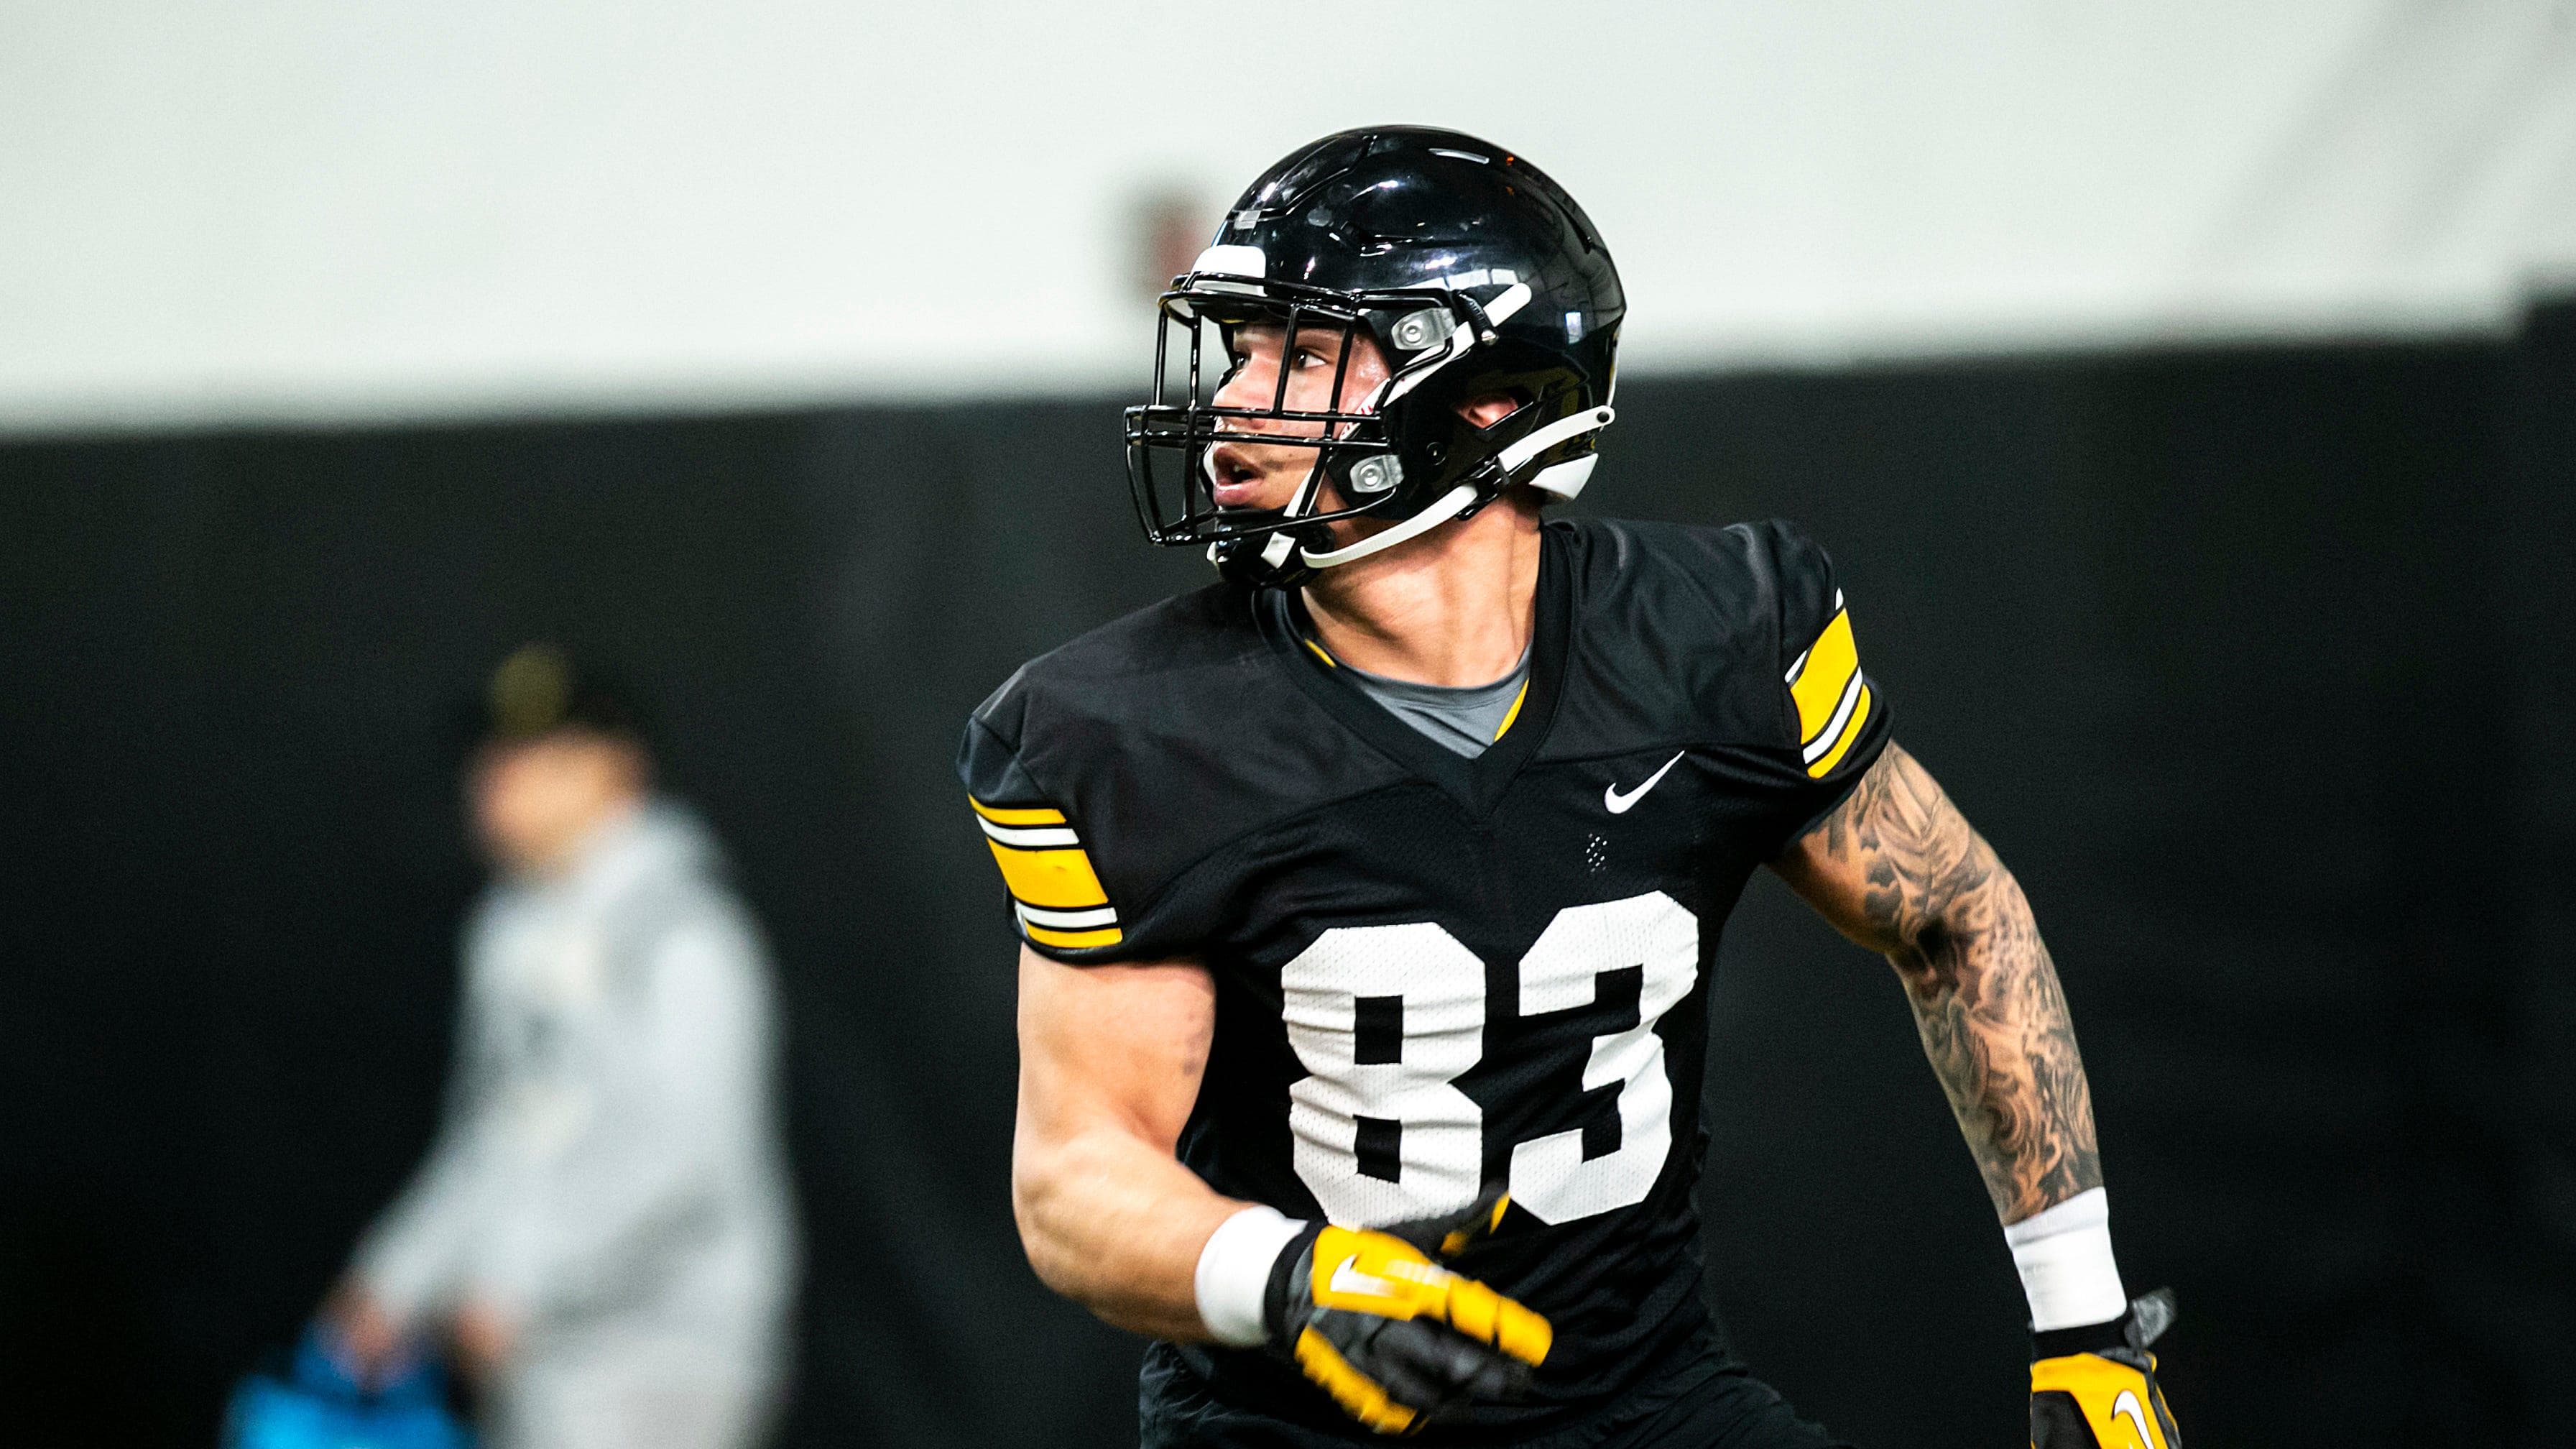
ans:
x=1618 y=804
x=2126 y=1406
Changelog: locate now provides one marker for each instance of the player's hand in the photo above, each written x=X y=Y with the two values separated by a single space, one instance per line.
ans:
x=363 y=1339
x=2095 y=1387
x=1395 y=1338
x=484 y=1338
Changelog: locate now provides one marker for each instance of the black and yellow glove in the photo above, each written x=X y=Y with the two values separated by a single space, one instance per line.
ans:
x=2095 y=1387
x=1395 y=1338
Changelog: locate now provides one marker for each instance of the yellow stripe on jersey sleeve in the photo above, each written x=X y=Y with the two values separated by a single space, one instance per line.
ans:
x=1843 y=744
x=1072 y=940
x=1056 y=894
x=1832 y=698
x=1818 y=682
x=1053 y=879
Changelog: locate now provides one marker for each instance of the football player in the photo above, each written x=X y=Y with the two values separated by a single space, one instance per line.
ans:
x=1368 y=897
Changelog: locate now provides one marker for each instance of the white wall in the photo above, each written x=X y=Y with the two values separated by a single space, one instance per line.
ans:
x=316 y=209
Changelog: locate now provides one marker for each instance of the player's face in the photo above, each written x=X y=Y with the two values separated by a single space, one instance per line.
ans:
x=1252 y=475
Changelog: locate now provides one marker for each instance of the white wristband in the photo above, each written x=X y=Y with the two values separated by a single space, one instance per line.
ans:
x=2067 y=1272
x=1233 y=1275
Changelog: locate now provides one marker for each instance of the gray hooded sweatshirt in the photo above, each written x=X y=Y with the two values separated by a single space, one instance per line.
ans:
x=609 y=1173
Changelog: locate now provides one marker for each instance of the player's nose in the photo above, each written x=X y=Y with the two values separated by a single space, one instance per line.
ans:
x=1250 y=387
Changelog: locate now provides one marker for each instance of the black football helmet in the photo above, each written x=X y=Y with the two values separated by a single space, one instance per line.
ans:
x=1472 y=272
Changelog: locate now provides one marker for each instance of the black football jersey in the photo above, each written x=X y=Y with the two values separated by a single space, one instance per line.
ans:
x=1432 y=972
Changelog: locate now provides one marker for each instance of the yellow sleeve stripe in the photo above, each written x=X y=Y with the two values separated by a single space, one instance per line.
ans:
x=1055 y=892
x=1833 y=699
x=1039 y=816
x=1821 y=679
x=1514 y=712
x=1818 y=769
x=1072 y=940
x=1049 y=879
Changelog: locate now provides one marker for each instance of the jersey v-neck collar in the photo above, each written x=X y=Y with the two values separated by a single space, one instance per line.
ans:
x=1476 y=783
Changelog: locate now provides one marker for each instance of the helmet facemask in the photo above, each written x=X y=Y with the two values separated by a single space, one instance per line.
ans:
x=1357 y=468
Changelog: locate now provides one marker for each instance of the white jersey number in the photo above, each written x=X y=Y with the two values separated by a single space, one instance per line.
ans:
x=1439 y=987
x=1387 y=1018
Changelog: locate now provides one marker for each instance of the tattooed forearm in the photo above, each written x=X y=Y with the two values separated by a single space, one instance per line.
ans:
x=1898 y=869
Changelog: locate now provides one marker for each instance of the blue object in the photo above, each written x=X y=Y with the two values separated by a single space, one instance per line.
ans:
x=311 y=1401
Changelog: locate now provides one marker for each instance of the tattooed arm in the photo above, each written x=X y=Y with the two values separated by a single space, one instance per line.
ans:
x=1897 y=869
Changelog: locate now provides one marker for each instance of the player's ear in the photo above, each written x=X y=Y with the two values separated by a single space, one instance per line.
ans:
x=1487 y=409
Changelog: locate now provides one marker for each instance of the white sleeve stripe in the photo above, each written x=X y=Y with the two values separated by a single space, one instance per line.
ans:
x=1833 y=729
x=1066 y=920
x=1051 y=837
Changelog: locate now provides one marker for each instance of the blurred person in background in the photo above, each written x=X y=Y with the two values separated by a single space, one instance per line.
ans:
x=603 y=1232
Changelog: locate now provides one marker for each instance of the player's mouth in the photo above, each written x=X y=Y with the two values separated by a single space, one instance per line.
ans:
x=1235 y=481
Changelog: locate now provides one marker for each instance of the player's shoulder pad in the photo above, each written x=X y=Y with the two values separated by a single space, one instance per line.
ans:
x=1121 y=675
x=1691 y=623
x=1834 y=711
x=1102 y=771
x=1741 y=572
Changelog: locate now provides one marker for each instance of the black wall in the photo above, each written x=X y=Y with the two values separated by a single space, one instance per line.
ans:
x=2252 y=663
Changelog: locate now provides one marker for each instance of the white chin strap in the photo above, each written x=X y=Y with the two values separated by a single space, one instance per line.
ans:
x=1518 y=455
x=1451 y=504
x=1565 y=480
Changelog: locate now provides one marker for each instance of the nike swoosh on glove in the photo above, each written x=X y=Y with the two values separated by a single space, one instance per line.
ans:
x=2095 y=1387
x=1394 y=1337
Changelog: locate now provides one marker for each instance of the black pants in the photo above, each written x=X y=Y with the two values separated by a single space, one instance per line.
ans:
x=1710 y=1403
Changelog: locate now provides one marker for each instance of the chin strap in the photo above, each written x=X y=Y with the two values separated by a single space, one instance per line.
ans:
x=1452 y=503
x=1462 y=499
x=1518 y=455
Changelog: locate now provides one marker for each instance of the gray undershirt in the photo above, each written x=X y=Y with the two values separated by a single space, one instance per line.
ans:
x=1462 y=719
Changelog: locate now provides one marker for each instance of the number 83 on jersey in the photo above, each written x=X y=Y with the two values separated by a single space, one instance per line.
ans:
x=1385 y=1019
